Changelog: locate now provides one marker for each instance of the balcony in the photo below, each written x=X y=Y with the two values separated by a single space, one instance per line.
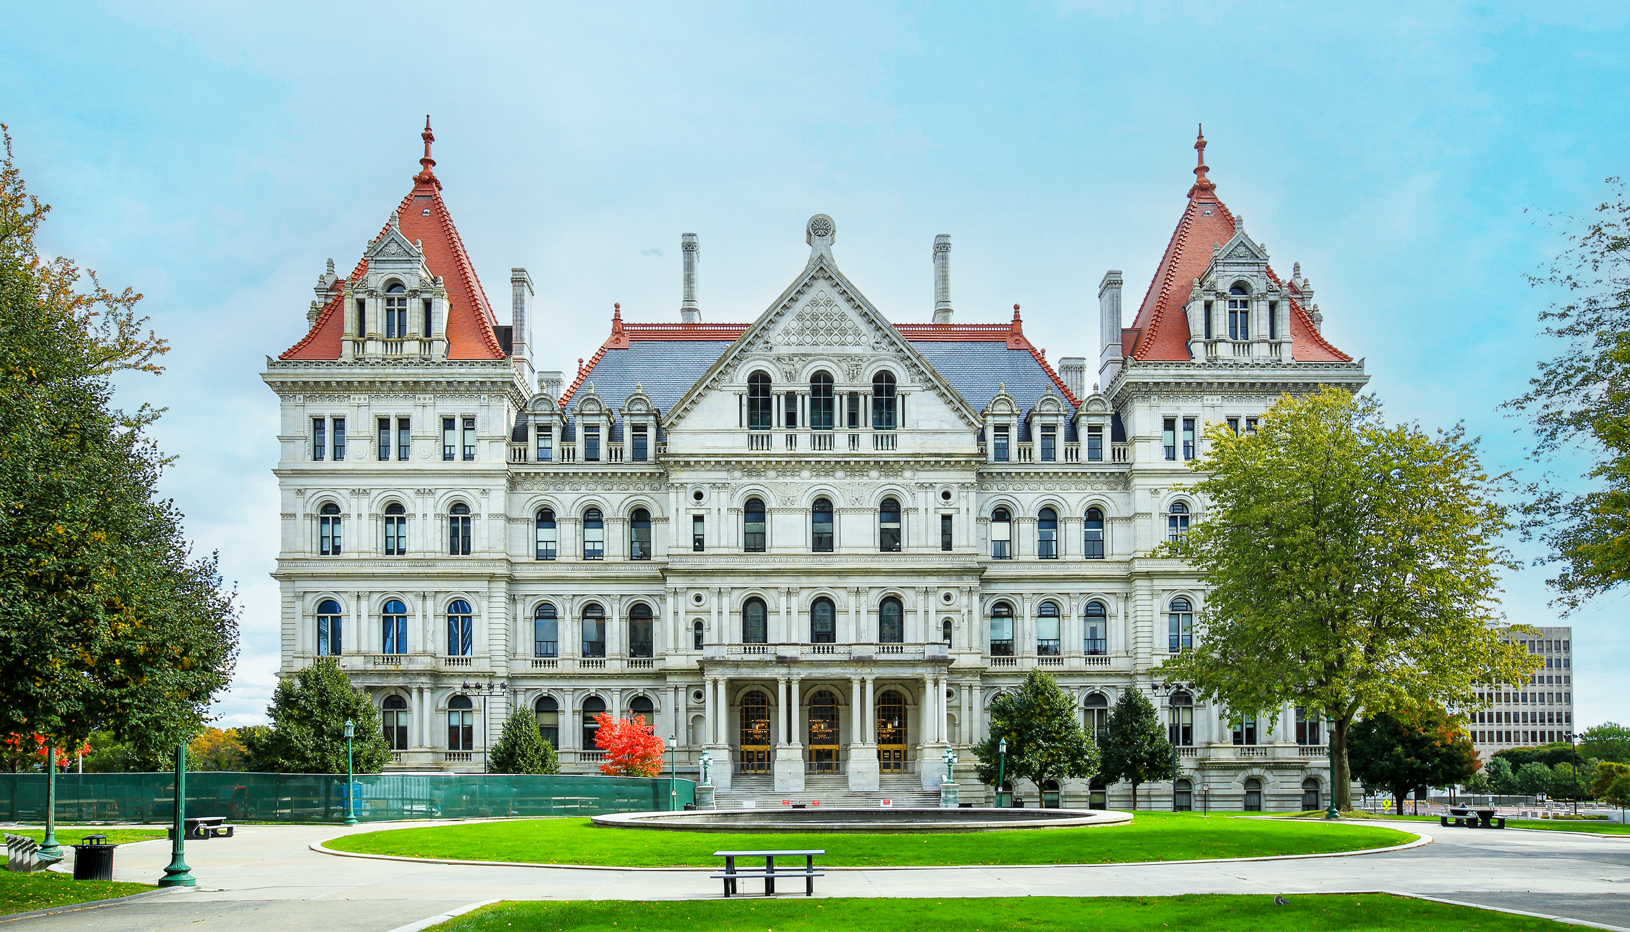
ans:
x=386 y=660
x=760 y=442
x=456 y=663
x=545 y=663
x=1188 y=752
x=884 y=441
x=1004 y=661
x=1246 y=750
x=641 y=663
x=457 y=757
x=821 y=442
x=1120 y=453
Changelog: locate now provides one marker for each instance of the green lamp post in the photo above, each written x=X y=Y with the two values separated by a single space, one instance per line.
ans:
x=1001 y=774
x=50 y=852
x=178 y=874
x=673 y=772
x=350 y=775
x=1330 y=734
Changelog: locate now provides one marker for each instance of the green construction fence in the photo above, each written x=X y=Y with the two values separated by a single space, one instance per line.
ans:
x=309 y=797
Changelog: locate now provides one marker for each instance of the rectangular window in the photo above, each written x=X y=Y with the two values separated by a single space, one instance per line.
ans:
x=945 y=532
x=426 y=330
x=1208 y=319
x=999 y=454
x=546 y=443
x=882 y=412
x=853 y=404
x=1095 y=444
x=469 y=439
x=319 y=438
x=1049 y=444
x=339 y=439
x=1233 y=426
x=449 y=439
x=1169 y=437
x=1188 y=438
x=328 y=535
x=639 y=451
x=698 y=534
x=384 y=439
x=395 y=536
x=1250 y=425
x=1239 y=319
x=591 y=444
x=789 y=402
x=1245 y=730
x=362 y=318
x=404 y=439
x=1273 y=320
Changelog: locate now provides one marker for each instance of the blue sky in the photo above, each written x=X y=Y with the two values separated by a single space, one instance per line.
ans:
x=212 y=157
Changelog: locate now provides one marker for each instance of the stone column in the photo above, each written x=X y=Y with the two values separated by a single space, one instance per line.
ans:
x=863 y=764
x=779 y=735
x=718 y=702
x=789 y=754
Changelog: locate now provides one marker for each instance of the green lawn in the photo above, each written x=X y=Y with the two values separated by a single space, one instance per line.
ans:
x=1192 y=913
x=1152 y=836
x=72 y=836
x=20 y=893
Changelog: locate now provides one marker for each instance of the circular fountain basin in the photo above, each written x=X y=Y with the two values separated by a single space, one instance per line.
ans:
x=892 y=820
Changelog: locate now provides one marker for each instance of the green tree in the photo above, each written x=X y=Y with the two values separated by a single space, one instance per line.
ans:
x=1479 y=784
x=107 y=620
x=1617 y=793
x=217 y=749
x=521 y=748
x=1607 y=741
x=1135 y=748
x=1400 y=751
x=307 y=733
x=1501 y=776
x=1353 y=567
x=1578 y=401
x=1548 y=754
x=1533 y=779
x=1606 y=773
x=1565 y=784
x=1045 y=740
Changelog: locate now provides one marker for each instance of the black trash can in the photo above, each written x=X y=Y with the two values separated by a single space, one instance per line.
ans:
x=93 y=858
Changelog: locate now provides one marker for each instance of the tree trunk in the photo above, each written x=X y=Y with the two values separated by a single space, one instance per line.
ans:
x=1134 y=796
x=1341 y=784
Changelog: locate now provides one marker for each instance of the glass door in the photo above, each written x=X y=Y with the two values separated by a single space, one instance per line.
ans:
x=823 y=732
x=755 y=733
x=891 y=732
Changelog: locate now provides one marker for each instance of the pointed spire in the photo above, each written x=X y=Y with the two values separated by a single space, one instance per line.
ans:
x=617 y=318
x=1201 y=182
x=426 y=175
x=1017 y=325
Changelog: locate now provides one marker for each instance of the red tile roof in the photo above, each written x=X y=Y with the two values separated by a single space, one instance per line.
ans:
x=1160 y=332
x=424 y=218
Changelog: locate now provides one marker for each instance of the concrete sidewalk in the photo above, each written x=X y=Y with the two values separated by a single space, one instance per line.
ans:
x=268 y=876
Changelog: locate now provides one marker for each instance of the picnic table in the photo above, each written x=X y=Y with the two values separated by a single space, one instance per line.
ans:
x=769 y=871
x=203 y=827
x=1464 y=816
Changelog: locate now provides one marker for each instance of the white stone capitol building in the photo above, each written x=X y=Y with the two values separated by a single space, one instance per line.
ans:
x=815 y=545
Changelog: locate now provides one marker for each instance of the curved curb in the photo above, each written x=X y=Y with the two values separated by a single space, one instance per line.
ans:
x=1421 y=839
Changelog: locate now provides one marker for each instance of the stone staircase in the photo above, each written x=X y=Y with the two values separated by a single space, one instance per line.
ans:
x=832 y=789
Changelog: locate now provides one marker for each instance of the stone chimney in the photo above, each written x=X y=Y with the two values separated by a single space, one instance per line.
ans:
x=520 y=289
x=942 y=279
x=1073 y=370
x=552 y=383
x=689 y=313
x=1109 y=327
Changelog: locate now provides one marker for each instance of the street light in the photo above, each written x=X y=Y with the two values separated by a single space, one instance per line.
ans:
x=350 y=775
x=1571 y=738
x=178 y=874
x=1001 y=773
x=673 y=775
x=489 y=688
x=50 y=852
x=1330 y=748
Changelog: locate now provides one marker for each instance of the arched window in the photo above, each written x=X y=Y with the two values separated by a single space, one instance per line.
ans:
x=1245 y=730
x=891 y=622
x=328 y=529
x=460 y=629
x=594 y=630
x=1310 y=794
x=820 y=524
x=458 y=530
x=1182 y=796
x=592 y=706
x=888 y=526
x=642 y=706
x=594 y=535
x=1253 y=795
x=1093 y=535
x=394 y=722
x=1001 y=534
x=1097 y=709
x=547 y=534
x=641 y=638
x=1239 y=312
x=821 y=407
x=548 y=712
x=1096 y=628
x=883 y=401
x=639 y=535
x=395 y=530
x=460 y=724
x=1048 y=642
x=1177 y=521
x=395 y=312
x=823 y=622
x=1180 y=625
x=1047 y=535
x=754 y=622
x=1180 y=725
x=752 y=536
x=546 y=632
x=759 y=410
x=945 y=631
x=329 y=640
x=696 y=636
x=393 y=622
x=1001 y=630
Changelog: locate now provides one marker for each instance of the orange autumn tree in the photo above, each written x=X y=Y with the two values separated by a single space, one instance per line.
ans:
x=632 y=747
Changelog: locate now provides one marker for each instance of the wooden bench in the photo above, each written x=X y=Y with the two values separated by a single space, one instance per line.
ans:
x=203 y=827
x=769 y=871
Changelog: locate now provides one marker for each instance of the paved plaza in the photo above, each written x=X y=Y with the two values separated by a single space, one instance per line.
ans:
x=268 y=876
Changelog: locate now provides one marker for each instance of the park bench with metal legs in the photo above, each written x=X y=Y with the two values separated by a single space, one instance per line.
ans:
x=769 y=872
x=204 y=827
x=1464 y=817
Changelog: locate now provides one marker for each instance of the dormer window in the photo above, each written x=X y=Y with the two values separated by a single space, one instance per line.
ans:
x=395 y=311
x=999 y=452
x=1239 y=312
x=1049 y=443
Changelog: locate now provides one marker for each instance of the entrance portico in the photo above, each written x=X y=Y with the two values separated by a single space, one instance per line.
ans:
x=783 y=709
